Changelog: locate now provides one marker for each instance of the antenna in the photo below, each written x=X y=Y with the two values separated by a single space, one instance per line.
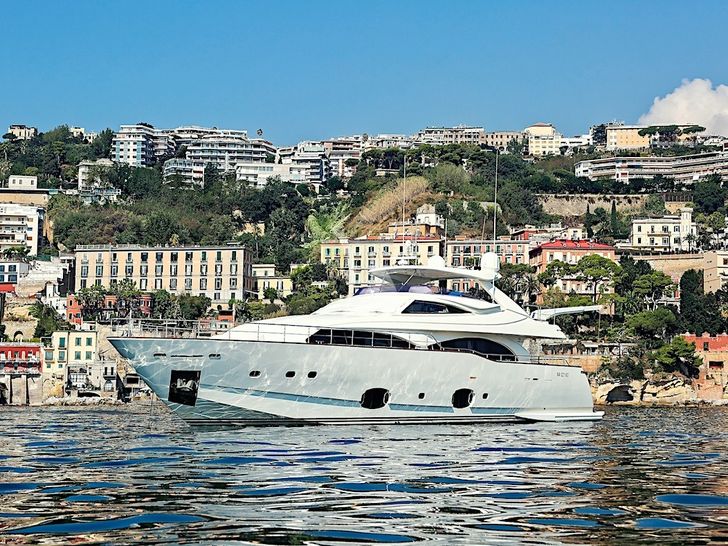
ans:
x=404 y=198
x=495 y=198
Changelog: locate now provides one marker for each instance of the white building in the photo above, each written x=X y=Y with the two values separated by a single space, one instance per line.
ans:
x=80 y=132
x=257 y=174
x=87 y=179
x=188 y=171
x=441 y=136
x=570 y=144
x=384 y=141
x=22 y=132
x=669 y=233
x=134 y=145
x=309 y=162
x=225 y=150
x=543 y=140
x=684 y=168
x=343 y=154
x=21 y=225
x=22 y=182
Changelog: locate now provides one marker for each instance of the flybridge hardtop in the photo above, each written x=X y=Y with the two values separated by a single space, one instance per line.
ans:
x=408 y=353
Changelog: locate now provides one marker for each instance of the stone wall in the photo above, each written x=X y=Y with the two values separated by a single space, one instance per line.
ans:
x=575 y=205
x=20 y=390
x=673 y=265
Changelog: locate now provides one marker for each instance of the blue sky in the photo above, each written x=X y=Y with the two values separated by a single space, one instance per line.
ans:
x=314 y=69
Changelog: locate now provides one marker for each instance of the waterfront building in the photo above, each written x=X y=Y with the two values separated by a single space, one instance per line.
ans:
x=570 y=252
x=543 y=140
x=669 y=233
x=536 y=235
x=68 y=349
x=265 y=276
x=21 y=225
x=11 y=271
x=683 y=169
x=19 y=182
x=713 y=373
x=626 y=137
x=23 y=132
x=354 y=258
x=441 y=136
x=20 y=373
x=220 y=273
x=501 y=139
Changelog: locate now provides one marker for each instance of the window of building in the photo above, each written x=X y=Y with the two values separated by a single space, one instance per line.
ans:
x=173 y=257
x=77 y=355
x=203 y=284
x=142 y=284
x=145 y=256
x=88 y=355
x=203 y=269
x=99 y=270
x=78 y=341
x=173 y=283
x=159 y=256
x=143 y=270
x=203 y=256
x=129 y=270
x=158 y=270
x=157 y=284
x=234 y=256
x=188 y=256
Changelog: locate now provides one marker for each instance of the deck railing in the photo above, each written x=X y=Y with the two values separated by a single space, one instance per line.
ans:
x=298 y=333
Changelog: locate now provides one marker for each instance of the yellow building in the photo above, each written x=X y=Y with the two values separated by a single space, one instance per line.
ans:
x=221 y=273
x=353 y=258
x=626 y=137
x=265 y=276
x=543 y=140
x=68 y=348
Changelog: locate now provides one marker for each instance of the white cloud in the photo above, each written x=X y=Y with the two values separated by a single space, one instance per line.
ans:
x=694 y=101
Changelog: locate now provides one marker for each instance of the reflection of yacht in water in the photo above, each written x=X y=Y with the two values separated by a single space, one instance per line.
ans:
x=398 y=353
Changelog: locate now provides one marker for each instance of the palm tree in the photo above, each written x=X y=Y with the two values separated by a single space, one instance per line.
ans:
x=323 y=226
x=690 y=238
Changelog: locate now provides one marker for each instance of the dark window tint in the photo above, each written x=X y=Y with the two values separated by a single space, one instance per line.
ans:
x=311 y=375
x=290 y=374
x=431 y=307
x=254 y=373
x=477 y=345
x=357 y=337
x=374 y=398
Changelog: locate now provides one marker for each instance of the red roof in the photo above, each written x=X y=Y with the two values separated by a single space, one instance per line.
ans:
x=574 y=245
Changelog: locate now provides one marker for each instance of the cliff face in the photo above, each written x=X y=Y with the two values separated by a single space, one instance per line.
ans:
x=655 y=392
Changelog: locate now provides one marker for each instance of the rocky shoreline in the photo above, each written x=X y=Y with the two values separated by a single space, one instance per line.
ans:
x=673 y=391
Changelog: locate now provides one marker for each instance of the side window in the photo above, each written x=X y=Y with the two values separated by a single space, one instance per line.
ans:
x=430 y=307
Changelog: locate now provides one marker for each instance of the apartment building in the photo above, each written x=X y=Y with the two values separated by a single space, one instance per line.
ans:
x=460 y=134
x=543 y=140
x=354 y=258
x=683 y=169
x=670 y=233
x=23 y=132
x=570 y=252
x=185 y=170
x=21 y=225
x=265 y=276
x=218 y=272
x=309 y=161
x=626 y=137
x=370 y=142
x=22 y=182
x=134 y=145
x=537 y=235
x=715 y=270
x=343 y=155
x=501 y=139
x=257 y=173
x=466 y=252
x=89 y=171
x=11 y=271
x=224 y=149
x=83 y=134
x=66 y=350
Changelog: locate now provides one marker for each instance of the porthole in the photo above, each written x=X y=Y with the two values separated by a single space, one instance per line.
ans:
x=462 y=398
x=421 y=395
x=485 y=395
x=160 y=355
x=254 y=373
x=290 y=373
x=214 y=356
x=374 y=398
x=311 y=375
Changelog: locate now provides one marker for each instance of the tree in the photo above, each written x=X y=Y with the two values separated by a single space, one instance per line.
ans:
x=678 y=356
x=48 y=320
x=91 y=300
x=709 y=195
x=654 y=327
x=325 y=225
x=271 y=294
x=652 y=287
x=596 y=271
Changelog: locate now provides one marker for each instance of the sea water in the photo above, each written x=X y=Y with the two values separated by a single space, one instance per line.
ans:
x=137 y=474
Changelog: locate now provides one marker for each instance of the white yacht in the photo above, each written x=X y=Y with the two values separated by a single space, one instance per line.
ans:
x=406 y=352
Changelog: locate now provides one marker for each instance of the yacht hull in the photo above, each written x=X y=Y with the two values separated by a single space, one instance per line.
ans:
x=233 y=382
